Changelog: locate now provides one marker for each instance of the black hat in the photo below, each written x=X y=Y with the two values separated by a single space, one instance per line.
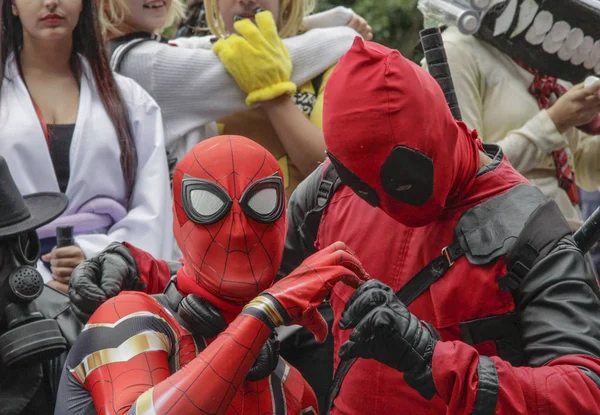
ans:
x=23 y=213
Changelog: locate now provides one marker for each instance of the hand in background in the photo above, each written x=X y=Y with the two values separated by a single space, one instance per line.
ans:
x=59 y=286
x=339 y=16
x=62 y=263
x=102 y=277
x=257 y=59
x=361 y=25
x=578 y=106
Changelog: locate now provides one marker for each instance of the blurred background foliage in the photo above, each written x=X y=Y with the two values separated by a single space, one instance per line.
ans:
x=395 y=23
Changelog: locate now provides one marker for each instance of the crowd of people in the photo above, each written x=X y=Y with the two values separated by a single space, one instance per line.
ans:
x=284 y=216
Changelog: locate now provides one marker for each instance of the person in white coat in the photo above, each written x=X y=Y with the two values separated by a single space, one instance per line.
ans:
x=67 y=124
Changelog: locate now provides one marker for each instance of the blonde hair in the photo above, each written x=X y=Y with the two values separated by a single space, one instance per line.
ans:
x=113 y=12
x=291 y=14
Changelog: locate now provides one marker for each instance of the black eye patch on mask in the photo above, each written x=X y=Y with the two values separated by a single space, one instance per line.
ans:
x=363 y=190
x=407 y=176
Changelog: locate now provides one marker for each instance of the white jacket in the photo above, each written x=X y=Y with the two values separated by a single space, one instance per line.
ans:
x=95 y=169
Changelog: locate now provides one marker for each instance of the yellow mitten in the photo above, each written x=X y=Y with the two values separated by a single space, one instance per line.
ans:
x=257 y=59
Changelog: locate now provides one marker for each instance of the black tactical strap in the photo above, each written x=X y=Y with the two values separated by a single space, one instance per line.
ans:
x=542 y=231
x=504 y=330
x=338 y=379
x=430 y=274
x=407 y=294
x=488 y=328
x=486 y=398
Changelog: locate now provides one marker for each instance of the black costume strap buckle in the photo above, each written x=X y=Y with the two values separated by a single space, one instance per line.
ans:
x=520 y=270
x=323 y=193
x=430 y=274
x=512 y=280
x=446 y=254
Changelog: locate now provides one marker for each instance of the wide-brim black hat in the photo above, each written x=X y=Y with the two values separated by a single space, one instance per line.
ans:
x=19 y=213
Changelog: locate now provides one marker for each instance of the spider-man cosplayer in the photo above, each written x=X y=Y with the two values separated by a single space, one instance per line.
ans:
x=203 y=347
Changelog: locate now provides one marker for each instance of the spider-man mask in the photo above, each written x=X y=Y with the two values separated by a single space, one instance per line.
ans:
x=229 y=216
x=392 y=138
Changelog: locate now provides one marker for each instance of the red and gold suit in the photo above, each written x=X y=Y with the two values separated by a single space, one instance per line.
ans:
x=137 y=355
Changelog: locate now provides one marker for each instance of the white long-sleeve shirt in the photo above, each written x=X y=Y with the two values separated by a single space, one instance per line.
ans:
x=493 y=99
x=193 y=88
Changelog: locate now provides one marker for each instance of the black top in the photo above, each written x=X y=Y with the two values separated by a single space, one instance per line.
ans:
x=61 y=136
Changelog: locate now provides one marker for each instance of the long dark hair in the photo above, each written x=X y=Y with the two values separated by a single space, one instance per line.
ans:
x=87 y=42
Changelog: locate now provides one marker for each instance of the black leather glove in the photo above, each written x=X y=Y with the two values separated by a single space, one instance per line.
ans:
x=266 y=361
x=386 y=331
x=99 y=278
x=202 y=317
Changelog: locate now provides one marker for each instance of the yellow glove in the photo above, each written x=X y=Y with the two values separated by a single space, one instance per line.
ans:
x=258 y=60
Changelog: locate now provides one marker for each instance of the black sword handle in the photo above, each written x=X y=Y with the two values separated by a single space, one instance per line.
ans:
x=589 y=233
x=437 y=63
x=64 y=236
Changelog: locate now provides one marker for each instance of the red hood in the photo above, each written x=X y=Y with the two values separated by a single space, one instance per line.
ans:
x=375 y=101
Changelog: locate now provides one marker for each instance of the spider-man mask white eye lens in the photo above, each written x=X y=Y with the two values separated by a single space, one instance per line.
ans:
x=204 y=202
x=264 y=201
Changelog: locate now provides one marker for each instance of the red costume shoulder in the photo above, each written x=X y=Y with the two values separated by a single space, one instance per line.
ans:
x=126 y=304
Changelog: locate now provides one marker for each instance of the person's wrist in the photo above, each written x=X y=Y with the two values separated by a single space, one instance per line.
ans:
x=559 y=121
x=267 y=309
x=275 y=102
x=270 y=93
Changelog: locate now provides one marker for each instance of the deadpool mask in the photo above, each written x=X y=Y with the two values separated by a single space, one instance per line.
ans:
x=391 y=137
x=229 y=216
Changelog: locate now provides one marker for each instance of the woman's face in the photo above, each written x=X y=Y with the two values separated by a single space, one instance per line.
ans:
x=147 y=15
x=47 y=19
x=232 y=10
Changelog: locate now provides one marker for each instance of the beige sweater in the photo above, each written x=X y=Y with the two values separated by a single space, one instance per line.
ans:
x=493 y=98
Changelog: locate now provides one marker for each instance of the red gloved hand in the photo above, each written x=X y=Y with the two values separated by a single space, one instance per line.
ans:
x=295 y=298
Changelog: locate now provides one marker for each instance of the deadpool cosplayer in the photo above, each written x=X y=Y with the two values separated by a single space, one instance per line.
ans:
x=206 y=345
x=37 y=325
x=495 y=312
